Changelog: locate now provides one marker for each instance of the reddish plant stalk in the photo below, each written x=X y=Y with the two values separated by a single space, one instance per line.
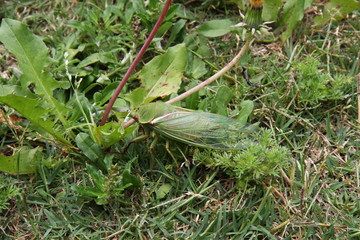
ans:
x=134 y=63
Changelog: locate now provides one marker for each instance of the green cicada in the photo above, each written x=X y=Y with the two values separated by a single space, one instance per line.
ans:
x=201 y=129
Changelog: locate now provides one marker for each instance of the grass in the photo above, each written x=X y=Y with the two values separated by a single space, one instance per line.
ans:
x=307 y=98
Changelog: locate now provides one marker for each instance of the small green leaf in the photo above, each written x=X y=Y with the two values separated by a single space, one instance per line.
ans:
x=130 y=180
x=111 y=133
x=161 y=76
x=163 y=191
x=192 y=101
x=92 y=192
x=336 y=10
x=94 y=58
x=271 y=9
x=178 y=26
x=53 y=219
x=293 y=14
x=136 y=97
x=215 y=28
x=22 y=162
x=222 y=99
x=198 y=68
x=246 y=109
x=97 y=176
x=90 y=148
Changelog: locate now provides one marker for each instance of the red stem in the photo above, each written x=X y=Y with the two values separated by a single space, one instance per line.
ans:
x=133 y=65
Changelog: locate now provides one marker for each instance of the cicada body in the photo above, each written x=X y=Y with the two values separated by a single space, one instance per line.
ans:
x=201 y=129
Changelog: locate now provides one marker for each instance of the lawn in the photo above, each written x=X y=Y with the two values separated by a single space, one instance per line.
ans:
x=268 y=148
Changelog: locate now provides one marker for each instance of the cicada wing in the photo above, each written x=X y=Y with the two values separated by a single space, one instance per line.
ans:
x=202 y=129
x=149 y=111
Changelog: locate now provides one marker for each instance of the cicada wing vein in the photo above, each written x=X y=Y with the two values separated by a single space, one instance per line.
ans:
x=202 y=129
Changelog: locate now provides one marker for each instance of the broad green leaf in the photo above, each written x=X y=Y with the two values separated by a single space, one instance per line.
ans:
x=90 y=148
x=271 y=9
x=215 y=28
x=336 y=10
x=17 y=90
x=136 y=97
x=161 y=76
x=33 y=58
x=22 y=162
x=293 y=14
x=32 y=110
x=198 y=68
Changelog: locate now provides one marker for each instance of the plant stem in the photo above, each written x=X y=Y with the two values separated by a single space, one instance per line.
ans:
x=207 y=81
x=136 y=60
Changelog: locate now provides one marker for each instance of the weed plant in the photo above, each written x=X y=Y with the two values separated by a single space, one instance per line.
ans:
x=299 y=180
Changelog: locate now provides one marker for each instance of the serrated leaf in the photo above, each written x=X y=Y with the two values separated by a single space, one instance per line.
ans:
x=215 y=28
x=22 y=162
x=336 y=10
x=31 y=109
x=33 y=58
x=15 y=89
x=161 y=76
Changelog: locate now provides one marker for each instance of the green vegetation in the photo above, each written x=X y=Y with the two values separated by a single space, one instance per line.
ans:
x=63 y=176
